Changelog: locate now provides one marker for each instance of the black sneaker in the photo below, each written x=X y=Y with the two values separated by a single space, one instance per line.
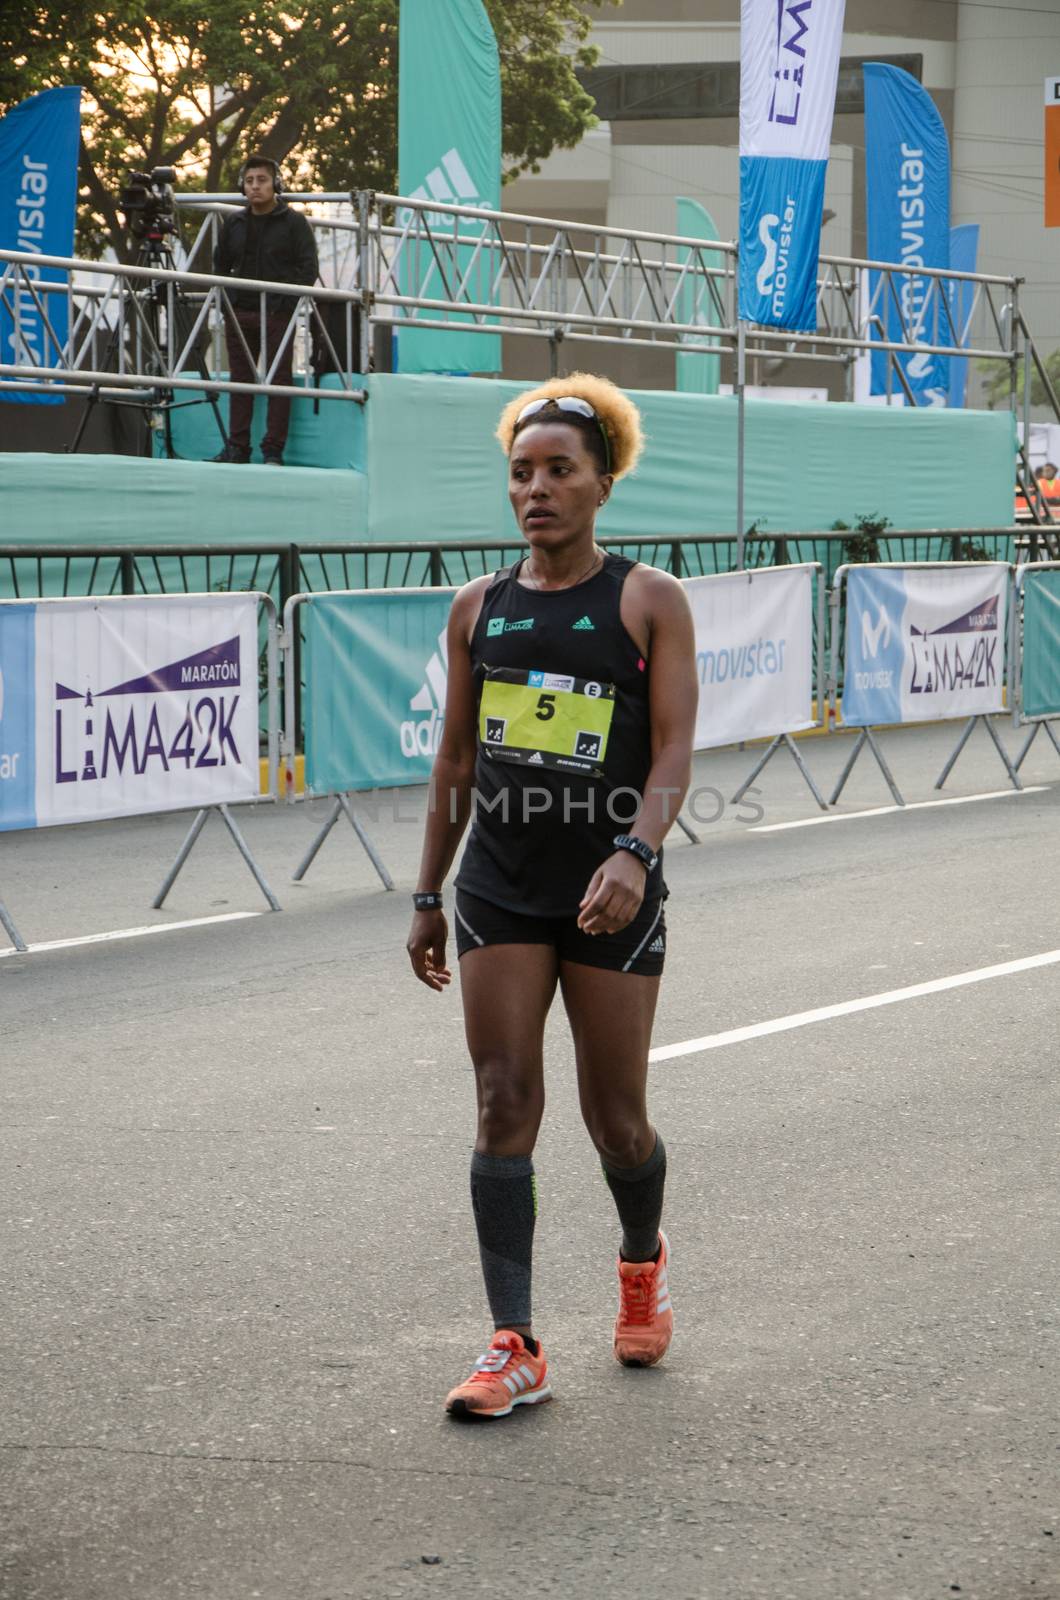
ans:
x=271 y=459
x=233 y=455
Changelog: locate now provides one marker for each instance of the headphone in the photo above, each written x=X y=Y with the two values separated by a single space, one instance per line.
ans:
x=261 y=161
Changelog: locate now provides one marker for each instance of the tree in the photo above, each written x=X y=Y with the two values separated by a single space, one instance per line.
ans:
x=997 y=382
x=311 y=83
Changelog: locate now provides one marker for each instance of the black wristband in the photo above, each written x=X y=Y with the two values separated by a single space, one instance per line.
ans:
x=427 y=902
x=636 y=847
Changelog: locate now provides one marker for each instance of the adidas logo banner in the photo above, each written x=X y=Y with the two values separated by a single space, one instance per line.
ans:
x=376 y=671
x=449 y=151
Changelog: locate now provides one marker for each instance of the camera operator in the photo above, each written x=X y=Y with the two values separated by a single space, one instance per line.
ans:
x=266 y=240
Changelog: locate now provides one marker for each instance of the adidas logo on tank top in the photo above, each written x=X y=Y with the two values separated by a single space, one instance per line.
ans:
x=584 y=625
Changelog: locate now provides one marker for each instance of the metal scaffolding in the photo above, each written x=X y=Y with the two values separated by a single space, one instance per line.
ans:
x=396 y=263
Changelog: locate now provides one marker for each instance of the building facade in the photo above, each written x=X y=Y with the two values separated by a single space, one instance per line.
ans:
x=667 y=91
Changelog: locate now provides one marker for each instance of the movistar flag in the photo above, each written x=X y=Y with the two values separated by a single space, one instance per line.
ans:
x=449 y=149
x=789 y=63
x=907 y=198
x=697 y=374
x=964 y=252
x=38 y=202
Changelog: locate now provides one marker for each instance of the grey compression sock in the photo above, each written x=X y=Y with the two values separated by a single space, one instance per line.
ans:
x=638 y=1195
x=504 y=1200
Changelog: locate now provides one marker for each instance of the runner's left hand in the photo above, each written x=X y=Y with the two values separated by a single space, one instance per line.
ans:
x=614 y=896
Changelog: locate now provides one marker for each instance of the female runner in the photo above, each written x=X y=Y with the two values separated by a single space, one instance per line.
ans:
x=568 y=723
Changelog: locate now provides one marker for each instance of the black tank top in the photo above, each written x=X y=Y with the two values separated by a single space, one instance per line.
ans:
x=564 y=741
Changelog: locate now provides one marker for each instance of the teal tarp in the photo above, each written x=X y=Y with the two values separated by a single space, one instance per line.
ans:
x=807 y=465
x=434 y=471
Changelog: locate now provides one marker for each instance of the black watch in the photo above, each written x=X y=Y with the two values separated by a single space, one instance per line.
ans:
x=636 y=847
x=430 y=901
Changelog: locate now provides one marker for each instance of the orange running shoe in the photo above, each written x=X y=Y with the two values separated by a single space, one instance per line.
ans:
x=645 y=1322
x=505 y=1375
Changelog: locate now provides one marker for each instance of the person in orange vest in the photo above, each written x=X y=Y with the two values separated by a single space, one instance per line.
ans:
x=1048 y=481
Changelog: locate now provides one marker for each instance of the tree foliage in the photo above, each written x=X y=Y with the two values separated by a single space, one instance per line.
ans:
x=997 y=382
x=311 y=83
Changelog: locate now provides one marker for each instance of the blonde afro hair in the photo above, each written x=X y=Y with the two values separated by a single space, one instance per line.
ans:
x=618 y=415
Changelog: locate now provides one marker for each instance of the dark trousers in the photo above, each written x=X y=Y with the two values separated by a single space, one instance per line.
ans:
x=241 y=406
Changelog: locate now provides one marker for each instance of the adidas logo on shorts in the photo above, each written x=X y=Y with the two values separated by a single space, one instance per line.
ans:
x=657 y=946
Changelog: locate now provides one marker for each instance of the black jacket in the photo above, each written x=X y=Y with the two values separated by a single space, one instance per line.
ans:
x=278 y=247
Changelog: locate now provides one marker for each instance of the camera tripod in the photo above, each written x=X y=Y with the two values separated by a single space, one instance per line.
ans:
x=150 y=302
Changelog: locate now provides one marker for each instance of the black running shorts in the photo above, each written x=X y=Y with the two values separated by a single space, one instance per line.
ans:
x=640 y=948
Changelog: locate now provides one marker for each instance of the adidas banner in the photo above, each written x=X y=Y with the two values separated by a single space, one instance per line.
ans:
x=1040 y=681
x=449 y=149
x=375 y=667
x=754 y=653
x=924 y=644
x=112 y=708
x=789 y=64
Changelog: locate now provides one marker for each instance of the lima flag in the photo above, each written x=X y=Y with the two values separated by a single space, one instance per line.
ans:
x=907 y=198
x=789 y=63
x=38 y=201
x=449 y=149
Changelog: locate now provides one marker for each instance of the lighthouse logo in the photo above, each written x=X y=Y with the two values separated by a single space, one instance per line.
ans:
x=148 y=708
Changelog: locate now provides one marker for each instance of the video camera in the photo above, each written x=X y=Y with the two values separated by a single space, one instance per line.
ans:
x=147 y=201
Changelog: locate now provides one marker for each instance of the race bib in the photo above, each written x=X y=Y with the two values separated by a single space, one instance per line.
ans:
x=543 y=719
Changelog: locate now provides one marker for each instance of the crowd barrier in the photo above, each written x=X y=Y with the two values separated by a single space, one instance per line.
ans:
x=373 y=677
x=921 y=643
x=120 y=706
x=758 y=637
x=1035 y=652
x=123 y=706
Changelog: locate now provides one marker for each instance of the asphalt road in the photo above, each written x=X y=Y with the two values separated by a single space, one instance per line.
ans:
x=237 y=1265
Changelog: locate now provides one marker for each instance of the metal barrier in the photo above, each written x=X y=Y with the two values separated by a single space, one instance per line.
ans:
x=879 y=632
x=143 y=330
x=1045 y=717
x=421 y=263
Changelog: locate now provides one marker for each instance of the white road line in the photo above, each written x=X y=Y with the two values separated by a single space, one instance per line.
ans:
x=132 y=933
x=886 y=811
x=801 y=1019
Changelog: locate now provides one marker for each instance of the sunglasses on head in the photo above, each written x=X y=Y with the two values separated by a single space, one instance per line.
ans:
x=568 y=402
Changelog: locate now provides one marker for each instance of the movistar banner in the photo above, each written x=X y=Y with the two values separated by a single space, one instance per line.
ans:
x=1041 y=644
x=754 y=653
x=112 y=708
x=964 y=252
x=789 y=63
x=923 y=645
x=697 y=374
x=449 y=149
x=375 y=675
x=907 y=197
x=38 y=203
